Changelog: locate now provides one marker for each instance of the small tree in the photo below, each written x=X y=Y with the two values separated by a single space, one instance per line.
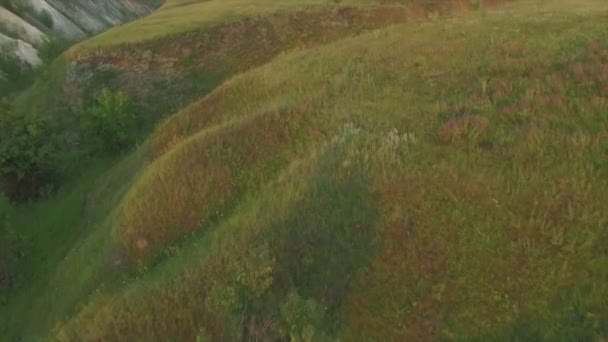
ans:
x=111 y=121
x=25 y=153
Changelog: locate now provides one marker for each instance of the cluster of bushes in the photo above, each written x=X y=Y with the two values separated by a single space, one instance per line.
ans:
x=52 y=48
x=14 y=74
x=30 y=145
x=25 y=152
x=45 y=18
x=110 y=122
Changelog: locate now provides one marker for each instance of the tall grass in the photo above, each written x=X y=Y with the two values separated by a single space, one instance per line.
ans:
x=357 y=219
x=317 y=197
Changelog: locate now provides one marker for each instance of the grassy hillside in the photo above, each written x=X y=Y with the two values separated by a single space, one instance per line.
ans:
x=436 y=179
x=178 y=16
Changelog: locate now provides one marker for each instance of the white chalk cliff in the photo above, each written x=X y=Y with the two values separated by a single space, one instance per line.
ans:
x=26 y=24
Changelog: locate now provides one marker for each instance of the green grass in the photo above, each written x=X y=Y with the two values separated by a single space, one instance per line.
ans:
x=43 y=234
x=439 y=179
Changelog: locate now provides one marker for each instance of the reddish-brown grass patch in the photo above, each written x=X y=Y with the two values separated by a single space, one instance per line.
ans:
x=173 y=198
x=460 y=129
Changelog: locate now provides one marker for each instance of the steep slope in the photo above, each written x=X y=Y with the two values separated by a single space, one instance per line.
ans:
x=435 y=179
x=389 y=186
x=165 y=72
x=160 y=74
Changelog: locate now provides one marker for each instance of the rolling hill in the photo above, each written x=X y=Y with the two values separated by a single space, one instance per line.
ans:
x=326 y=170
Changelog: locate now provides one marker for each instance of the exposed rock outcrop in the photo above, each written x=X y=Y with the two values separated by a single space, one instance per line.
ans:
x=26 y=25
x=20 y=49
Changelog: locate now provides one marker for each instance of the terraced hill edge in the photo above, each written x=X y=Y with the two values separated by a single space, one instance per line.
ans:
x=163 y=75
x=426 y=188
x=98 y=260
x=435 y=180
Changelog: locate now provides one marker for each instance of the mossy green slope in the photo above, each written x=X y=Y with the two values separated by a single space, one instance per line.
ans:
x=435 y=180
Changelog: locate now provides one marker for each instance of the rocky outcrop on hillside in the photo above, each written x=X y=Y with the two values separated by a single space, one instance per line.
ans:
x=26 y=24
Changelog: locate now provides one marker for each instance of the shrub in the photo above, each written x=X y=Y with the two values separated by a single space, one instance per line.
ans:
x=25 y=154
x=45 y=18
x=110 y=122
x=14 y=74
x=52 y=47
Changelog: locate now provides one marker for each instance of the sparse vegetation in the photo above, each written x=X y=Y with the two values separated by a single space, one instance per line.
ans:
x=438 y=179
x=52 y=48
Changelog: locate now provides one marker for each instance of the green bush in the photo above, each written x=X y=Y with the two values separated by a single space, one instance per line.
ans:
x=25 y=153
x=52 y=47
x=14 y=75
x=45 y=18
x=110 y=122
